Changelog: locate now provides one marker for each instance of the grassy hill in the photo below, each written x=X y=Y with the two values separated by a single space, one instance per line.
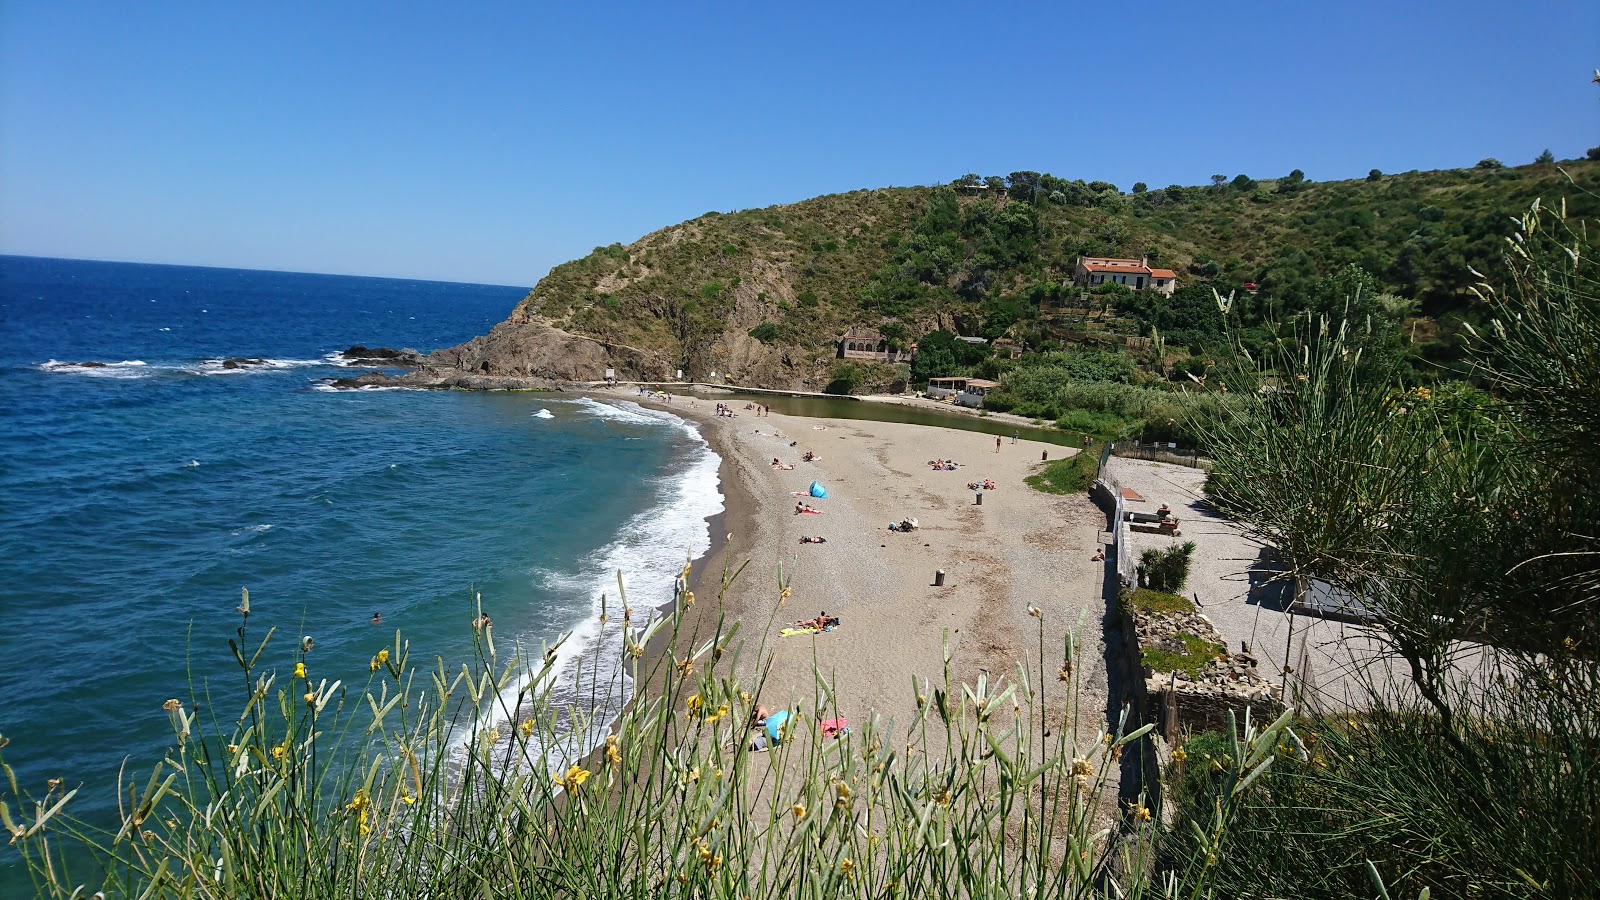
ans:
x=760 y=294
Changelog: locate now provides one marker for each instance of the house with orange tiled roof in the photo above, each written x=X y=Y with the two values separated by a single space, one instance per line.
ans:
x=1135 y=273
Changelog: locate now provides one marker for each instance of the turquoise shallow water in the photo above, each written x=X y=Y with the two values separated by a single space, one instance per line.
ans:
x=137 y=498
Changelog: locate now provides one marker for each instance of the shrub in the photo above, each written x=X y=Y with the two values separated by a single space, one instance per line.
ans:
x=766 y=332
x=1166 y=570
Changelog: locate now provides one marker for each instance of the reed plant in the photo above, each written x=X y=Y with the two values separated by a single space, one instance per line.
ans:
x=499 y=779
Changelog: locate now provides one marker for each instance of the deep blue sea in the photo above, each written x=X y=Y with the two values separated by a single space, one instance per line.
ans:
x=138 y=497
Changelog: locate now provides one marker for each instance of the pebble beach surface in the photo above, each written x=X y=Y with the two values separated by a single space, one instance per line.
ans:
x=1017 y=549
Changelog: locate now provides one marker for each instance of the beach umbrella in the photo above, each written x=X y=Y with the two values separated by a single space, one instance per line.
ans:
x=817 y=490
x=775 y=723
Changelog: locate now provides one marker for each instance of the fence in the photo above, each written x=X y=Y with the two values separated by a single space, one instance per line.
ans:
x=1121 y=552
x=1160 y=451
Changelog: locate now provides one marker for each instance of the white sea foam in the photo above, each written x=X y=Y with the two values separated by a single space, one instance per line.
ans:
x=324 y=387
x=217 y=366
x=649 y=552
x=543 y=414
x=128 y=368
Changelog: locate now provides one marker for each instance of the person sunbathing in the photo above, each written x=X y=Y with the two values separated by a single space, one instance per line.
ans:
x=819 y=539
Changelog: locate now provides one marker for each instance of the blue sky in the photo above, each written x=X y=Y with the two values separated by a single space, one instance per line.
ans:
x=488 y=142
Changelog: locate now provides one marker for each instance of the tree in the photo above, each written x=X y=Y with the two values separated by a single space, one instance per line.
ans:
x=1219 y=180
x=1490 y=162
x=1545 y=157
x=1454 y=521
x=1374 y=175
x=1593 y=153
x=1139 y=187
x=1243 y=183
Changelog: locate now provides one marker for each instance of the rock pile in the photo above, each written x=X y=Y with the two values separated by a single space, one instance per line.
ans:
x=1230 y=677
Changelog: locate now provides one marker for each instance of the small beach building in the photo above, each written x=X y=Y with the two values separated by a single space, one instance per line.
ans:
x=972 y=395
x=1134 y=273
x=946 y=387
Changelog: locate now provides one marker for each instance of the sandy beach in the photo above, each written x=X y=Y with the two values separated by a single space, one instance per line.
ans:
x=1019 y=548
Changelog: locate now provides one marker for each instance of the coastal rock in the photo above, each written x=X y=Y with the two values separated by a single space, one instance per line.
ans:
x=242 y=362
x=381 y=356
x=529 y=348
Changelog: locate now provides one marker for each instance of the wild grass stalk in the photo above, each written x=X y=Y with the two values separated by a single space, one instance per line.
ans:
x=437 y=782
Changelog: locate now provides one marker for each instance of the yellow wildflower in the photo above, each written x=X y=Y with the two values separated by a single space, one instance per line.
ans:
x=1140 y=814
x=1179 y=755
x=685 y=666
x=1036 y=612
x=172 y=705
x=299 y=670
x=280 y=750
x=574 y=778
x=383 y=656
x=407 y=799
x=688 y=598
x=311 y=698
x=1081 y=766
x=612 y=753
x=845 y=865
x=799 y=810
x=526 y=728
x=694 y=703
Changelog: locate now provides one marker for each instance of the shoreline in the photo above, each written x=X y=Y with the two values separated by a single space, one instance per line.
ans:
x=1022 y=548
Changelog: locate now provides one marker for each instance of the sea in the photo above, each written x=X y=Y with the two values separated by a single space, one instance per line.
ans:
x=144 y=483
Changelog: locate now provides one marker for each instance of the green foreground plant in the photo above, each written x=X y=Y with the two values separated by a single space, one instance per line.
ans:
x=439 y=783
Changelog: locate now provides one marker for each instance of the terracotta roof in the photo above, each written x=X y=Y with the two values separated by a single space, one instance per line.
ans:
x=1118 y=270
x=1163 y=273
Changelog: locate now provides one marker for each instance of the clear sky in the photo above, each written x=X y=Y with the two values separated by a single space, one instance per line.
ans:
x=489 y=141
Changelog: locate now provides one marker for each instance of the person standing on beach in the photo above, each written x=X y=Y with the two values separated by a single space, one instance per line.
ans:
x=1015 y=435
x=997 y=444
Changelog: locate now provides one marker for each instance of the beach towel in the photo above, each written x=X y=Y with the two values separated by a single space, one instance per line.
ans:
x=817 y=490
x=810 y=512
x=775 y=723
x=796 y=632
x=834 y=727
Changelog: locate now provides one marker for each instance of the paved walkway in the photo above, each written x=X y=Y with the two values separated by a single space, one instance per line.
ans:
x=1246 y=599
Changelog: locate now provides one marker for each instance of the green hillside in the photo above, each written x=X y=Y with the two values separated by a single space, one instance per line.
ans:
x=761 y=294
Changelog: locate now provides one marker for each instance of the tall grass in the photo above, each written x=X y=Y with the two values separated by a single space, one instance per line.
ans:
x=1504 y=808
x=431 y=782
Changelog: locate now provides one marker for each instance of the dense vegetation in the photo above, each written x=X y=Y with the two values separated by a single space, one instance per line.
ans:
x=761 y=294
x=1462 y=520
